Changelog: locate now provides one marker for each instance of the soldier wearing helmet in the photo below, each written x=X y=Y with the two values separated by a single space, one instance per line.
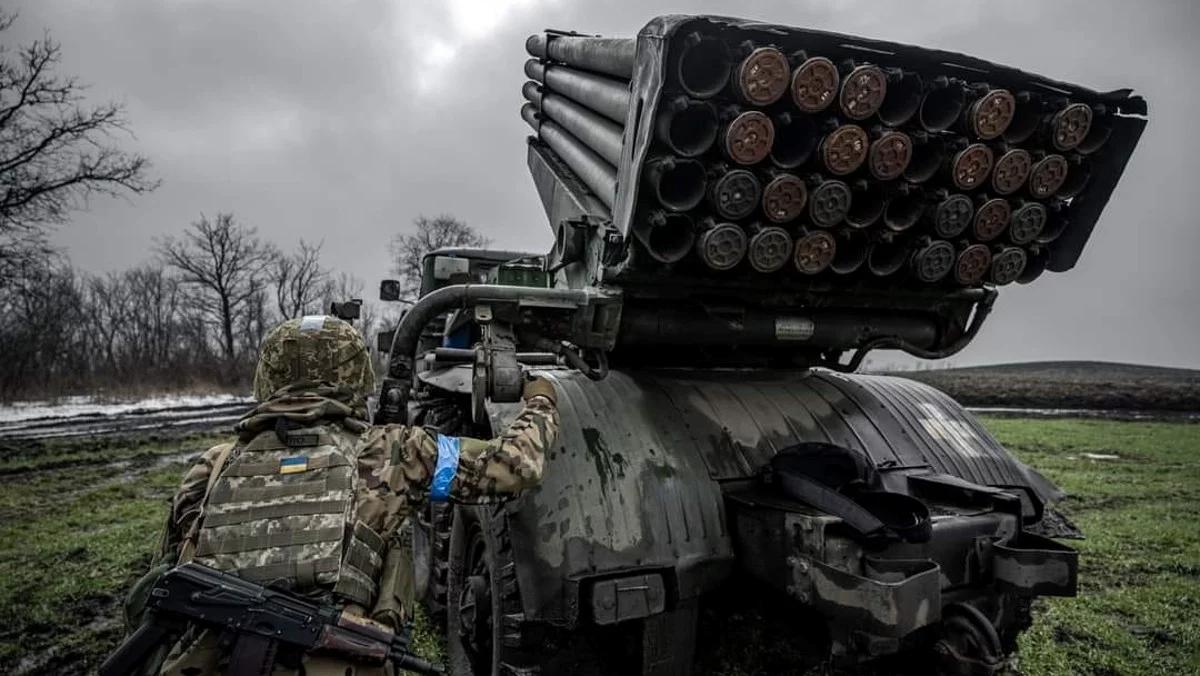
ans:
x=310 y=497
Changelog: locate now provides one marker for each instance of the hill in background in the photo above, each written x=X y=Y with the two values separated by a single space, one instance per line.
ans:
x=1069 y=384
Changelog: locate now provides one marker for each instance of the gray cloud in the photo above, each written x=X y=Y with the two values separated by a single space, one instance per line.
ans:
x=342 y=121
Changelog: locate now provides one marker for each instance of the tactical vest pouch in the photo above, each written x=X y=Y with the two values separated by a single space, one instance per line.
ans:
x=283 y=512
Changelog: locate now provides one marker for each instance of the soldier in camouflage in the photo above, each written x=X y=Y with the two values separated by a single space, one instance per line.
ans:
x=310 y=497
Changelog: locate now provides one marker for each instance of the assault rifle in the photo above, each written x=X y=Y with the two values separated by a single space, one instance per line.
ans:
x=259 y=620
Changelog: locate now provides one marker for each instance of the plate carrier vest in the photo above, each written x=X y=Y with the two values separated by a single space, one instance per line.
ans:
x=284 y=512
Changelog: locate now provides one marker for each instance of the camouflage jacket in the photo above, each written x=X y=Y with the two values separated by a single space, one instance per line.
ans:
x=396 y=462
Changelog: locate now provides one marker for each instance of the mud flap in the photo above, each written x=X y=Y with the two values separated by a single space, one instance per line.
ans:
x=874 y=613
x=1033 y=565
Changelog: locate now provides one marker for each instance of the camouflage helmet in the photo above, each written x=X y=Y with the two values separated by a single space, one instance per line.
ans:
x=313 y=349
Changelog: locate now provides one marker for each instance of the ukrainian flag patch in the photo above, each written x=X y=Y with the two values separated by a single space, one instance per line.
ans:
x=293 y=464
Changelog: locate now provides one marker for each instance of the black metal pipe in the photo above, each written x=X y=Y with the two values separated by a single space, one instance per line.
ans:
x=703 y=65
x=897 y=342
x=408 y=331
x=928 y=155
x=611 y=56
x=466 y=355
x=903 y=210
x=601 y=135
x=1035 y=264
x=668 y=237
x=903 y=97
x=678 y=183
x=1026 y=118
x=866 y=206
x=602 y=94
x=887 y=256
x=851 y=253
x=942 y=104
x=796 y=138
x=597 y=174
x=687 y=127
x=658 y=326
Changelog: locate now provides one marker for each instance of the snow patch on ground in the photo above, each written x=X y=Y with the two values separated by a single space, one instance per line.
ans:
x=89 y=406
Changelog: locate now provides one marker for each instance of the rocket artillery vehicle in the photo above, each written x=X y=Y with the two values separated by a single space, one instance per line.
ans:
x=741 y=212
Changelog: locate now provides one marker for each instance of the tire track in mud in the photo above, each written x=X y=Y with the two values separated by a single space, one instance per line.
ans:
x=181 y=418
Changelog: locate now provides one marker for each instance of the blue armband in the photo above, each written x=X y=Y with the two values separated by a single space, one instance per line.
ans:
x=446 y=469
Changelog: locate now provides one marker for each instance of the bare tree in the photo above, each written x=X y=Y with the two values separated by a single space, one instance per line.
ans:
x=226 y=264
x=299 y=280
x=153 y=321
x=39 y=337
x=55 y=151
x=429 y=234
x=109 y=301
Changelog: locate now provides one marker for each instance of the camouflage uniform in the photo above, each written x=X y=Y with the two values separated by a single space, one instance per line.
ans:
x=310 y=496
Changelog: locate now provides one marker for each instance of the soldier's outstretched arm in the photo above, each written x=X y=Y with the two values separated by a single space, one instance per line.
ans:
x=401 y=462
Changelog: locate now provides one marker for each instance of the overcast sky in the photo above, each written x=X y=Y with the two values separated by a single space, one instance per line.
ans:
x=344 y=120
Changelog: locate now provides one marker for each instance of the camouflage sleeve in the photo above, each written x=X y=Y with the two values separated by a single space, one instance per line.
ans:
x=189 y=498
x=511 y=462
x=393 y=464
x=397 y=463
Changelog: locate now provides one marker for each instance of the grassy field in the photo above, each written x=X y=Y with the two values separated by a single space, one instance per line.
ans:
x=78 y=520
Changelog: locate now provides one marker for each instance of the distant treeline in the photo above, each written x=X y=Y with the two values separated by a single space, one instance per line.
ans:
x=194 y=317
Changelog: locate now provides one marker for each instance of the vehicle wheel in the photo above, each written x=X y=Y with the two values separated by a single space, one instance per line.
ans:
x=486 y=631
x=969 y=643
x=483 y=614
x=431 y=559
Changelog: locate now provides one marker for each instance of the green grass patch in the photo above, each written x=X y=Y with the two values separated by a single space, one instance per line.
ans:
x=1138 y=611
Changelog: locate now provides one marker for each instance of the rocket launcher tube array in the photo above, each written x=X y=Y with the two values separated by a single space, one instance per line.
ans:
x=860 y=161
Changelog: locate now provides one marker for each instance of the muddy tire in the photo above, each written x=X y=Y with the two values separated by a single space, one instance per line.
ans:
x=483 y=615
x=431 y=559
x=486 y=630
